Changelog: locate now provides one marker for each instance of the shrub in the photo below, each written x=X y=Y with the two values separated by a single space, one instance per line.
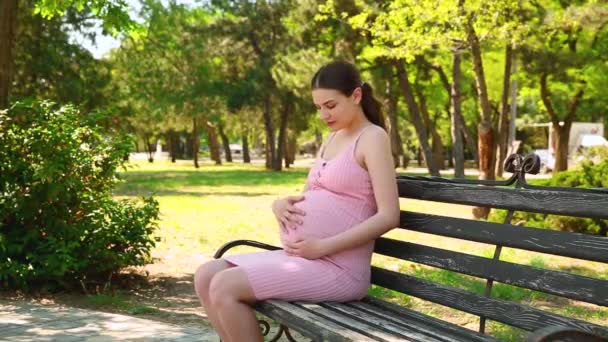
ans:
x=589 y=175
x=59 y=224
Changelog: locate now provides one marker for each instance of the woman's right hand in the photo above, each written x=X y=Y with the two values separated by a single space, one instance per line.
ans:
x=286 y=213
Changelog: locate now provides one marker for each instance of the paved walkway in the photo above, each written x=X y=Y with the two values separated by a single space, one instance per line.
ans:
x=22 y=321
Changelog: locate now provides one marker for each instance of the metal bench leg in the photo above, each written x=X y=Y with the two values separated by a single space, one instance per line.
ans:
x=277 y=336
x=265 y=327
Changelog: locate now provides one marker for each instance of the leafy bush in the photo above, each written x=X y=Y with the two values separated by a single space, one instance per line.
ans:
x=589 y=175
x=595 y=154
x=59 y=224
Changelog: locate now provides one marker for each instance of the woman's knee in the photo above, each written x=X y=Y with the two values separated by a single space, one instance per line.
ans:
x=230 y=286
x=205 y=273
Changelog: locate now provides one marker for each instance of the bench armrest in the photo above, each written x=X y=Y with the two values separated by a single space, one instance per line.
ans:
x=559 y=333
x=235 y=243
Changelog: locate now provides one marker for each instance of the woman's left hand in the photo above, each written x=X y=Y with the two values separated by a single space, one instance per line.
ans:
x=309 y=248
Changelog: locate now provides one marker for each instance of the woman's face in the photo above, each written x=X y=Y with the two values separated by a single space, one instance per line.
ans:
x=336 y=109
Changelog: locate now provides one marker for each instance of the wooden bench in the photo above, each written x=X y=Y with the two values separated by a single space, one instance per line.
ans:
x=373 y=319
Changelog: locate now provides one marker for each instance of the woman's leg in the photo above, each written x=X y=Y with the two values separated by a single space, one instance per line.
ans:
x=232 y=297
x=202 y=279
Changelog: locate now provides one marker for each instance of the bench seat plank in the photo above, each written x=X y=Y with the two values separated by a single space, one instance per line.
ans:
x=419 y=321
x=307 y=323
x=368 y=320
x=418 y=330
x=375 y=329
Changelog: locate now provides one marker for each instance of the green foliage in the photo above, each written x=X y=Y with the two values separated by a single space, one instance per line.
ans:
x=113 y=13
x=594 y=153
x=58 y=221
x=589 y=175
x=48 y=65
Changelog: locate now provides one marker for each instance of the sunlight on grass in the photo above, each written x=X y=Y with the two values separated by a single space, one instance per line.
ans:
x=201 y=209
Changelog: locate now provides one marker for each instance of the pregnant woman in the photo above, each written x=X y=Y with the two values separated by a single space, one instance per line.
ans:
x=350 y=199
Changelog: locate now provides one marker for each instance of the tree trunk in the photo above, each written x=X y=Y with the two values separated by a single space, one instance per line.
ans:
x=485 y=129
x=396 y=142
x=214 y=146
x=436 y=143
x=246 y=156
x=562 y=137
x=503 y=131
x=290 y=150
x=195 y=141
x=269 y=129
x=277 y=163
x=267 y=155
x=471 y=141
x=148 y=148
x=457 y=121
x=562 y=132
x=225 y=143
x=406 y=89
x=456 y=117
x=8 y=29
x=170 y=136
x=174 y=144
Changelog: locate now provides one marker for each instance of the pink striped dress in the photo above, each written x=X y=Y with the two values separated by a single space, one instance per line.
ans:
x=339 y=196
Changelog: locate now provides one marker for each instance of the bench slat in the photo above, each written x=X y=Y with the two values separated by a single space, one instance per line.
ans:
x=575 y=203
x=307 y=323
x=558 y=283
x=418 y=320
x=520 y=316
x=376 y=330
x=388 y=325
x=378 y=316
x=580 y=246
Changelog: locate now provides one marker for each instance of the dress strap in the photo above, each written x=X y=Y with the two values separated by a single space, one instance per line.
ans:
x=331 y=136
x=359 y=135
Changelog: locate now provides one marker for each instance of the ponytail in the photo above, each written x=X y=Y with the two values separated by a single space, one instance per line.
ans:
x=371 y=106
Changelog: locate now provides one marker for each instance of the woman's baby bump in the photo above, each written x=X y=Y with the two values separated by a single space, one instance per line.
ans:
x=327 y=214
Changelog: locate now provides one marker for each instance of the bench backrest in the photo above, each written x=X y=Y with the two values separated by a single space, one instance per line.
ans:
x=586 y=203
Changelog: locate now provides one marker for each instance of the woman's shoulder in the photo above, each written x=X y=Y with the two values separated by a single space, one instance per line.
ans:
x=373 y=133
x=374 y=139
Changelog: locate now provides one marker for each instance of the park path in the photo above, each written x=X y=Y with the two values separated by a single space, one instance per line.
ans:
x=25 y=321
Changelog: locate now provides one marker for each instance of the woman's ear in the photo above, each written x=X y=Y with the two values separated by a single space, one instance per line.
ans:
x=357 y=95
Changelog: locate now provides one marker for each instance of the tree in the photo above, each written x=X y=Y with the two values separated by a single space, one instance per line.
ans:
x=8 y=26
x=171 y=70
x=49 y=66
x=113 y=14
x=569 y=48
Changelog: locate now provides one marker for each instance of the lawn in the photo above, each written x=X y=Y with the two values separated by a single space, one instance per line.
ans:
x=202 y=209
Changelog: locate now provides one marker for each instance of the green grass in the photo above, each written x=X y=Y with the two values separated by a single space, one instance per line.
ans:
x=205 y=208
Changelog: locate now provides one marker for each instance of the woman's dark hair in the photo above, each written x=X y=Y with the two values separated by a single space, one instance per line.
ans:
x=345 y=78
